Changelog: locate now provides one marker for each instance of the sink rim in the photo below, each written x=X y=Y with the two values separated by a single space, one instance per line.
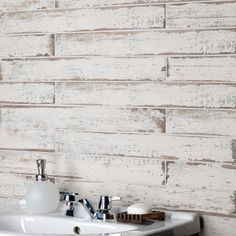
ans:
x=174 y=221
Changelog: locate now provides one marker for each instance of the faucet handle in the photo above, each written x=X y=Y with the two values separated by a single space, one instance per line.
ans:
x=105 y=202
x=115 y=198
x=104 y=208
x=68 y=196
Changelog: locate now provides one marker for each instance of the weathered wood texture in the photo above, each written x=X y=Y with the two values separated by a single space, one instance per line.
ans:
x=85 y=118
x=170 y=147
x=15 y=5
x=147 y=94
x=26 y=46
x=91 y=3
x=156 y=42
x=35 y=93
x=72 y=169
x=201 y=15
x=26 y=139
x=219 y=226
x=201 y=122
x=140 y=93
x=149 y=145
x=202 y=69
x=84 y=68
x=84 y=19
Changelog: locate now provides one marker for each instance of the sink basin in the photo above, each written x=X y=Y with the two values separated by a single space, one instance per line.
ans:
x=19 y=221
x=26 y=224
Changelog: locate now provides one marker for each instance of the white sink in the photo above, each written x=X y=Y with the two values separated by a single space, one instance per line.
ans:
x=26 y=224
x=19 y=221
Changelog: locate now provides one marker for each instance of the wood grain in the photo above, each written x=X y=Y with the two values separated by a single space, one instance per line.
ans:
x=84 y=68
x=26 y=139
x=161 y=197
x=147 y=43
x=147 y=94
x=22 y=46
x=168 y=147
x=140 y=93
x=219 y=226
x=84 y=118
x=201 y=15
x=213 y=176
x=91 y=3
x=106 y=168
x=15 y=5
x=139 y=17
x=201 y=122
x=26 y=93
x=202 y=69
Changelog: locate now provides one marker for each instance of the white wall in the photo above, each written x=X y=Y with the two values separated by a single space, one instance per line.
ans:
x=124 y=97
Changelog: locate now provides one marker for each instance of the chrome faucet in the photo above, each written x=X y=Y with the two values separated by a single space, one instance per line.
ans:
x=104 y=207
x=87 y=206
x=69 y=198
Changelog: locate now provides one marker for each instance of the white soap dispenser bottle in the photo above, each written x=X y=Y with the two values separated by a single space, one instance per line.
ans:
x=42 y=196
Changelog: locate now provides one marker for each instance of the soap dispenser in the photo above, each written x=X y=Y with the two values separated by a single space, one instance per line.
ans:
x=42 y=196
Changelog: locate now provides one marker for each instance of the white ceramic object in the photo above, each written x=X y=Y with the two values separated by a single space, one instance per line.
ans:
x=19 y=221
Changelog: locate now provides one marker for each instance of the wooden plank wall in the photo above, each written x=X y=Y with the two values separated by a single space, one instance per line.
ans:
x=123 y=97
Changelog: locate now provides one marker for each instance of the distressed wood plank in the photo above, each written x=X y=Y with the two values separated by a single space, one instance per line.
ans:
x=85 y=118
x=147 y=94
x=201 y=122
x=88 y=68
x=149 y=42
x=26 y=139
x=214 y=176
x=218 y=226
x=91 y=3
x=201 y=15
x=15 y=5
x=34 y=93
x=30 y=45
x=106 y=168
x=139 y=17
x=148 y=145
x=202 y=69
x=161 y=197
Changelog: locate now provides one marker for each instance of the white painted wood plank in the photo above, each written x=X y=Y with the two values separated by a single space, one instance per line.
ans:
x=211 y=176
x=107 y=168
x=26 y=139
x=150 y=42
x=14 y=185
x=149 y=145
x=91 y=3
x=15 y=5
x=201 y=15
x=201 y=122
x=30 y=45
x=160 y=197
x=88 y=68
x=147 y=94
x=139 y=17
x=219 y=226
x=85 y=118
x=34 y=93
x=202 y=69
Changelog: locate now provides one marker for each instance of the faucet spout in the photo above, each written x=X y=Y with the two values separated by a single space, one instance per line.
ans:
x=87 y=206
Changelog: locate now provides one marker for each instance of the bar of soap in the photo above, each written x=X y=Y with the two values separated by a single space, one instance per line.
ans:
x=139 y=209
